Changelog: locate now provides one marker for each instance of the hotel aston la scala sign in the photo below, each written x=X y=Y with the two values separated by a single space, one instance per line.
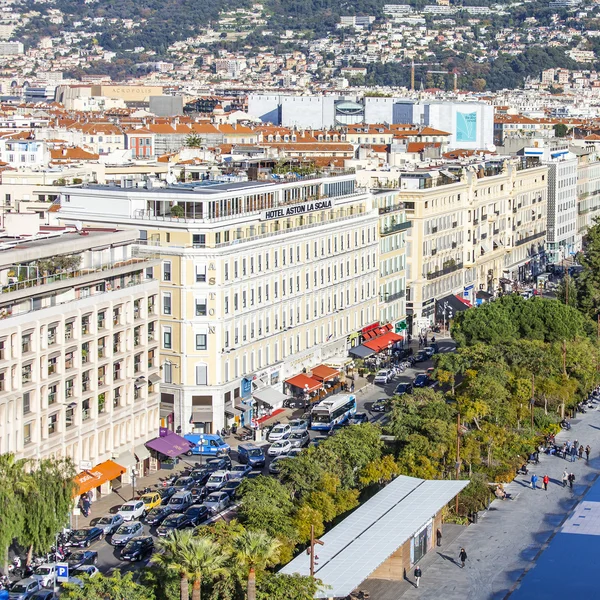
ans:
x=296 y=209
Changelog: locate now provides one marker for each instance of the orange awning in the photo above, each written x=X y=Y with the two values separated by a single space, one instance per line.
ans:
x=106 y=471
x=301 y=381
x=383 y=341
x=324 y=373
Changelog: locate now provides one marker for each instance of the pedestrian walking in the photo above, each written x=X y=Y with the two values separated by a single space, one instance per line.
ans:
x=581 y=452
x=587 y=452
x=418 y=574
x=565 y=450
x=571 y=479
x=573 y=453
x=534 y=479
x=565 y=478
x=576 y=443
x=463 y=557
x=438 y=535
x=546 y=481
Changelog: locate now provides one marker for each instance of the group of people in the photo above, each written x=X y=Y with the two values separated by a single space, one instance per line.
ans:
x=569 y=451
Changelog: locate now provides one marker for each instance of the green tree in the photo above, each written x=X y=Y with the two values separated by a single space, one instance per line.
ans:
x=278 y=586
x=13 y=490
x=255 y=551
x=193 y=141
x=588 y=281
x=101 y=587
x=561 y=130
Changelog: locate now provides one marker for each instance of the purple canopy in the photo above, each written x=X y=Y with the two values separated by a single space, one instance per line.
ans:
x=171 y=444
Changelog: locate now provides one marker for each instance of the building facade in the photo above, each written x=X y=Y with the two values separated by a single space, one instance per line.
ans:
x=259 y=282
x=588 y=188
x=79 y=353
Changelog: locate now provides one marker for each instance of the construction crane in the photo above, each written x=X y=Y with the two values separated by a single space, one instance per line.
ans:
x=413 y=64
x=454 y=72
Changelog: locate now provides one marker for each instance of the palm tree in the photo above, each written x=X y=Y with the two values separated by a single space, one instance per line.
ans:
x=192 y=558
x=255 y=550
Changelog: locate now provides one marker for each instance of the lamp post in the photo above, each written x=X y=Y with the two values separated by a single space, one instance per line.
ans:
x=306 y=396
x=133 y=475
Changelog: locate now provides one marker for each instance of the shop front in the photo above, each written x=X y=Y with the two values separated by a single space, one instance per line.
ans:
x=168 y=446
x=304 y=389
x=267 y=400
x=99 y=480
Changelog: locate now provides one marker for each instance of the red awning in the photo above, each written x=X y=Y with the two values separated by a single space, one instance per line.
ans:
x=382 y=342
x=301 y=381
x=324 y=373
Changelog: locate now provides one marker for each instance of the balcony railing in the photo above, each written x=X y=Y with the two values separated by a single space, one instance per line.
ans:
x=384 y=210
x=444 y=271
x=394 y=297
x=530 y=238
x=388 y=229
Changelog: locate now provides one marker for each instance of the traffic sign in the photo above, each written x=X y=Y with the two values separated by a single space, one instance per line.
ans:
x=62 y=572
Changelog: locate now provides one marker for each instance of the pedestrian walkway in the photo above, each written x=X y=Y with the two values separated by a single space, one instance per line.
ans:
x=509 y=537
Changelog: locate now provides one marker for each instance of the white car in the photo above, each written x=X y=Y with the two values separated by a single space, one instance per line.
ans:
x=217 y=501
x=384 y=376
x=217 y=480
x=89 y=570
x=280 y=448
x=44 y=574
x=132 y=510
x=279 y=432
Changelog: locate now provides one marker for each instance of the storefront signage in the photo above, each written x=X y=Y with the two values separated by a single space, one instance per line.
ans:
x=297 y=209
x=246 y=387
x=370 y=327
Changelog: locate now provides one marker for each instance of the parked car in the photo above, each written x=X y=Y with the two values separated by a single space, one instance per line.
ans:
x=127 y=532
x=275 y=464
x=173 y=522
x=430 y=351
x=137 y=549
x=380 y=405
x=279 y=432
x=222 y=463
x=79 y=558
x=217 y=480
x=217 y=501
x=180 y=501
x=359 y=418
x=41 y=595
x=45 y=574
x=299 y=439
x=251 y=455
x=403 y=388
x=82 y=538
x=151 y=500
x=279 y=448
x=157 y=515
x=383 y=376
x=201 y=475
x=184 y=483
x=198 y=494
x=291 y=454
x=89 y=570
x=24 y=589
x=166 y=493
x=421 y=380
x=198 y=513
x=421 y=356
x=132 y=510
x=110 y=523
x=299 y=425
x=230 y=488
x=240 y=471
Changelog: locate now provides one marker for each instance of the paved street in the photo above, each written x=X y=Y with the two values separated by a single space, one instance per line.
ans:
x=508 y=538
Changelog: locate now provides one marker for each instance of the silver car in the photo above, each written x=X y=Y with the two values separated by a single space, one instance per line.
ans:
x=127 y=532
x=217 y=501
x=109 y=523
x=299 y=425
x=24 y=589
x=299 y=439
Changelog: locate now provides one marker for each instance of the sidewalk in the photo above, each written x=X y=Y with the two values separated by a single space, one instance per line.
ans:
x=509 y=536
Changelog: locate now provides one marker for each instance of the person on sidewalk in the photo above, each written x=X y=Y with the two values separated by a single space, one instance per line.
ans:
x=581 y=452
x=438 y=535
x=418 y=574
x=462 y=557
x=587 y=452
x=571 y=479
x=546 y=481
x=534 y=479
x=565 y=478
x=573 y=452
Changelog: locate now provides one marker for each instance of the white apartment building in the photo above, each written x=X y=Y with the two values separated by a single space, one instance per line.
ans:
x=260 y=281
x=588 y=188
x=563 y=239
x=472 y=229
x=78 y=348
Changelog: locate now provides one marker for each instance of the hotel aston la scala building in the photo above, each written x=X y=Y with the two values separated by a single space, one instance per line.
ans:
x=259 y=282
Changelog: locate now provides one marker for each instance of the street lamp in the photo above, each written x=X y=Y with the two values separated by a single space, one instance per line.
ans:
x=133 y=475
x=306 y=396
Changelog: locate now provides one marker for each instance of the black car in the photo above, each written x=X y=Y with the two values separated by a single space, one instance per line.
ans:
x=222 y=463
x=201 y=475
x=157 y=515
x=421 y=356
x=197 y=513
x=359 y=418
x=184 y=483
x=230 y=487
x=166 y=493
x=198 y=494
x=421 y=381
x=81 y=558
x=82 y=538
x=173 y=522
x=403 y=388
x=137 y=549
x=380 y=406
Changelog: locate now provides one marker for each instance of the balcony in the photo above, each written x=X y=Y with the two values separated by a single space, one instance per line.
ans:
x=484 y=217
x=515 y=210
x=389 y=229
x=394 y=297
x=530 y=238
x=445 y=271
x=384 y=210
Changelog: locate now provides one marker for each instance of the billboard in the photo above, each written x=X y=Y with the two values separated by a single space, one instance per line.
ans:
x=466 y=127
